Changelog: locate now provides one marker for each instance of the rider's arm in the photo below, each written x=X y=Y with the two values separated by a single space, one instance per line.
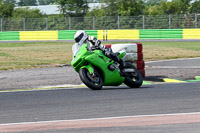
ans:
x=96 y=43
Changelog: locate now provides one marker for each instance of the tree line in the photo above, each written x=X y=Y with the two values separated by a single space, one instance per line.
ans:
x=79 y=8
x=75 y=14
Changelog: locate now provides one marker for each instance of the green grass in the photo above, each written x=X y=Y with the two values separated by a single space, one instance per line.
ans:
x=14 y=44
x=170 y=50
x=34 y=55
x=182 y=45
x=24 y=55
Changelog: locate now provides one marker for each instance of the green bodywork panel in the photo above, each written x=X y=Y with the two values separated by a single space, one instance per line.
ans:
x=89 y=67
x=88 y=60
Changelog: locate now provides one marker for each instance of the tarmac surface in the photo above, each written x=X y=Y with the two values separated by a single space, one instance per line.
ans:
x=168 y=108
x=183 y=69
x=156 y=71
x=152 y=108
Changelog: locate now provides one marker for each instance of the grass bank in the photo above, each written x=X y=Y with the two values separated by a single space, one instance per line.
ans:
x=25 y=55
x=34 y=55
x=170 y=50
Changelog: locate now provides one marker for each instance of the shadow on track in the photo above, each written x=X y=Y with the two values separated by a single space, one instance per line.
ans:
x=125 y=87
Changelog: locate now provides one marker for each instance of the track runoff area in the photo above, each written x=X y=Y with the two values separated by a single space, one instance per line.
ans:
x=121 y=121
x=106 y=122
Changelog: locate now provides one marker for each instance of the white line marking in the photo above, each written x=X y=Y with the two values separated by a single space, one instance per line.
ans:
x=106 y=118
x=175 y=67
x=172 y=60
x=46 y=88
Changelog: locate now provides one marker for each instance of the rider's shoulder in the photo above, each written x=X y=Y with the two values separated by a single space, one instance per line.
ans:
x=91 y=38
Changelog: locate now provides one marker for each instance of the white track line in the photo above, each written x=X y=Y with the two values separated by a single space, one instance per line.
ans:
x=105 y=118
x=172 y=60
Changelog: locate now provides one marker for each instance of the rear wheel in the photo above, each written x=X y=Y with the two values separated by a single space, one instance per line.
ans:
x=133 y=79
x=93 y=81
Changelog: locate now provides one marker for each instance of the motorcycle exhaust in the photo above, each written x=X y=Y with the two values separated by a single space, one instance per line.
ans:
x=128 y=70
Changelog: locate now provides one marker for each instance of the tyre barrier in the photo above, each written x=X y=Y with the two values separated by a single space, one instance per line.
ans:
x=133 y=55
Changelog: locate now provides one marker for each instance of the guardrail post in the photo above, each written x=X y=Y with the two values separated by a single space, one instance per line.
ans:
x=1 y=24
x=170 y=21
x=69 y=23
x=24 y=23
x=47 y=23
x=143 y=21
x=105 y=35
x=196 y=21
x=118 y=22
x=93 y=22
x=66 y=21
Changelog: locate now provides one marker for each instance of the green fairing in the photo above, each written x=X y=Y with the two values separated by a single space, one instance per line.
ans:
x=122 y=54
x=87 y=59
x=89 y=67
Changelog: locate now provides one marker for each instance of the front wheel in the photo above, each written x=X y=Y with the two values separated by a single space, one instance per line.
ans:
x=133 y=79
x=93 y=81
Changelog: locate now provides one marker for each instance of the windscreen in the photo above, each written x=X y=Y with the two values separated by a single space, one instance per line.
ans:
x=75 y=49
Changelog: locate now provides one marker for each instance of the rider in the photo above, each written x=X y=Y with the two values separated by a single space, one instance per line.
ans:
x=81 y=37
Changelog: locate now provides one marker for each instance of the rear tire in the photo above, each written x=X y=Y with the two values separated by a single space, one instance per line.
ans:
x=94 y=82
x=134 y=80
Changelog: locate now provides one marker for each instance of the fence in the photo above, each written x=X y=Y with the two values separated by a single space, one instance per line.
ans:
x=103 y=34
x=100 y=23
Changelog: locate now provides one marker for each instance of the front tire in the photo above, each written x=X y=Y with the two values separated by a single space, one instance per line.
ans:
x=93 y=81
x=134 y=79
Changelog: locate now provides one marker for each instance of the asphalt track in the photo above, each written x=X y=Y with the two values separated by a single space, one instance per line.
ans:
x=155 y=108
x=173 y=108
x=181 y=69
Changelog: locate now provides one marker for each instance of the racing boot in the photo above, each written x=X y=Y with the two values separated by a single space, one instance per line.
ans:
x=115 y=57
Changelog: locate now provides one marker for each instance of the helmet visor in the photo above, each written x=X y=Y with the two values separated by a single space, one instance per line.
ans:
x=77 y=39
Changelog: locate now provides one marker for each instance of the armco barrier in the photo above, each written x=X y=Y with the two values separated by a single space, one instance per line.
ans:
x=122 y=34
x=104 y=34
x=118 y=35
x=11 y=35
x=66 y=35
x=191 y=33
x=38 y=35
x=51 y=35
x=69 y=34
x=161 y=34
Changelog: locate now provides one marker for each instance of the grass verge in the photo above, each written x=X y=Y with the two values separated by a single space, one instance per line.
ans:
x=170 y=50
x=34 y=55
x=25 y=55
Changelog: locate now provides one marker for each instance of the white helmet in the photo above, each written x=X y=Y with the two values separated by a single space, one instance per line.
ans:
x=80 y=37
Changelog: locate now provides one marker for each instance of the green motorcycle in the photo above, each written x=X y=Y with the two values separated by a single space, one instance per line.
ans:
x=96 y=70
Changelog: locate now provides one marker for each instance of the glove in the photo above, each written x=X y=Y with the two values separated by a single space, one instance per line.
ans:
x=94 y=41
x=91 y=38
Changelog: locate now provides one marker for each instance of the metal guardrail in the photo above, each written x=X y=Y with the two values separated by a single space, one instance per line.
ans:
x=100 y=23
